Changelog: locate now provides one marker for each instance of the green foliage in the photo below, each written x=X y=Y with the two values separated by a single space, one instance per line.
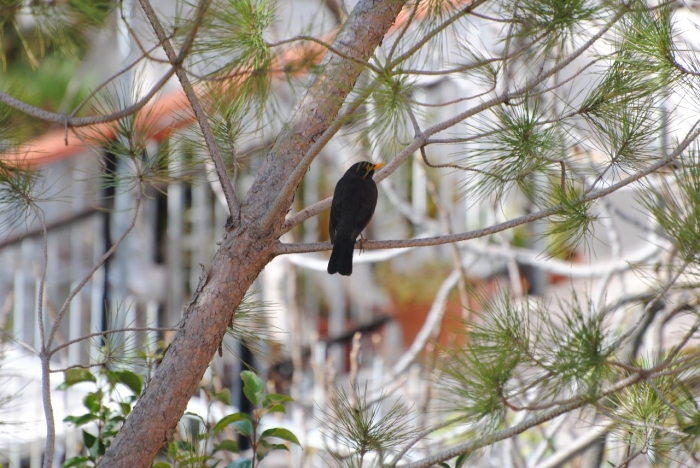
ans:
x=251 y=326
x=247 y=424
x=559 y=20
x=17 y=197
x=571 y=225
x=650 y=416
x=648 y=47
x=388 y=113
x=236 y=29
x=551 y=351
x=519 y=143
x=360 y=427
x=676 y=209
x=107 y=408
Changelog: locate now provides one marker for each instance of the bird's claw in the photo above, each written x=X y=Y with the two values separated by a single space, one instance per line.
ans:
x=362 y=242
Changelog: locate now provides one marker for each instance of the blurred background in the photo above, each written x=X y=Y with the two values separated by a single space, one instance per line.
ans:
x=301 y=329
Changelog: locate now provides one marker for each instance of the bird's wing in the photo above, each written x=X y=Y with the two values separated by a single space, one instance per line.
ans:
x=340 y=200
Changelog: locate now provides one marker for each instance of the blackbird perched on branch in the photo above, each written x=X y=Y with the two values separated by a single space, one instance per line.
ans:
x=354 y=200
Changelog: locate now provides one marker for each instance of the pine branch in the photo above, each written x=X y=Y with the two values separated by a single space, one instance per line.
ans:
x=176 y=61
x=283 y=248
x=107 y=332
x=76 y=122
x=469 y=447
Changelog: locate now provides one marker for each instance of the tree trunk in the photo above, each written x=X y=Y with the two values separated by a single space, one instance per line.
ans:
x=242 y=254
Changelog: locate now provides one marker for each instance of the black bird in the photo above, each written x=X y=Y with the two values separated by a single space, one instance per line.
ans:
x=354 y=200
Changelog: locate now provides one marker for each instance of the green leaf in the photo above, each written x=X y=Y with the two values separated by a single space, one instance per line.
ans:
x=74 y=376
x=443 y=465
x=241 y=463
x=281 y=434
x=461 y=460
x=693 y=426
x=231 y=418
x=80 y=420
x=228 y=445
x=243 y=427
x=131 y=380
x=263 y=449
x=92 y=401
x=126 y=408
x=89 y=439
x=272 y=399
x=224 y=396
x=75 y=461
x=276 y=409
x=161 y=465
x=184 y=445
x=253 y=387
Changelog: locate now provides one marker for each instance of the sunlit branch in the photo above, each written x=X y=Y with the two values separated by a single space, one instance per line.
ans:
x=423 y=434
x=44 y=355
x=578 y=445
x=329 y=47
x=433 y=320
x=454 y=101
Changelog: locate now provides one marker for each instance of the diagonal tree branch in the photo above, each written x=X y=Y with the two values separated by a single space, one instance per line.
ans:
x=176 y=61
x=244 y=253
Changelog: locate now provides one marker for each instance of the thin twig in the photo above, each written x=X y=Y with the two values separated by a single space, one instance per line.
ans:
x=107 y=81
x=44 y=356
x=423 y=434
x=665 y=400
x=431 y=34
x=337 y=52
x=75 y=122
x=625 y=336
x=107 y=332
x=19 y=342
x=95 y=267
x=403 y=31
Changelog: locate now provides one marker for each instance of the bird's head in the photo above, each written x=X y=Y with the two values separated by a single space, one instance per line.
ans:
x=366 y=168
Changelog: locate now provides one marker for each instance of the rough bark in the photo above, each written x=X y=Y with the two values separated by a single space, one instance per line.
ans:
x=244 y=253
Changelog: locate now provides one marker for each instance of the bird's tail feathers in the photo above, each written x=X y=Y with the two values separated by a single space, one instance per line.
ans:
x=341 y=257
